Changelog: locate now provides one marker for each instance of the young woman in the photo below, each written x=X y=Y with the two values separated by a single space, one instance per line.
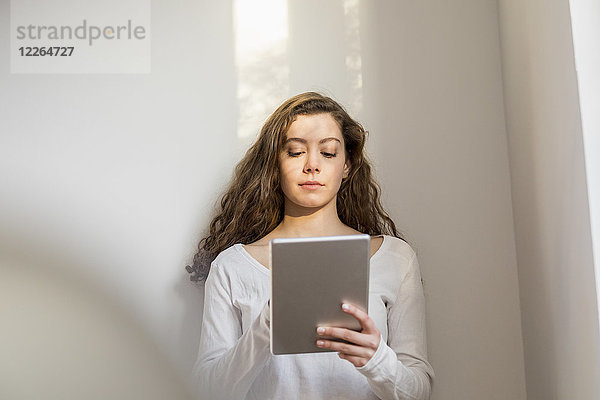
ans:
x=307 y=175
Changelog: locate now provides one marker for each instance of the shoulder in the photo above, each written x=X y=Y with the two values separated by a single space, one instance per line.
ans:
x=398 y=248
x=396 y=260
x=229 y=262
x=227 y=255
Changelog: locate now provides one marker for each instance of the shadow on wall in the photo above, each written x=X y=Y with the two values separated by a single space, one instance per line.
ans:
x=61 y=338
x=191 y=295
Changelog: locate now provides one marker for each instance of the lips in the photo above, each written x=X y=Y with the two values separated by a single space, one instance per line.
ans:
x=311 y=183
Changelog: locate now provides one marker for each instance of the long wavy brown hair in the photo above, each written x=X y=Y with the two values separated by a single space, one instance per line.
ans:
x=253 y=203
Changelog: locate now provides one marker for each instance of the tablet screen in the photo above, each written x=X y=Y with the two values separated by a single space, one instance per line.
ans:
x=310 y=279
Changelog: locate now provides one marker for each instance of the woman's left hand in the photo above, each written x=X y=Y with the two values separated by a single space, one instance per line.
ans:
x=362 y=344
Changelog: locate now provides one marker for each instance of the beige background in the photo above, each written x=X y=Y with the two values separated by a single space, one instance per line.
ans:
x=475 y=133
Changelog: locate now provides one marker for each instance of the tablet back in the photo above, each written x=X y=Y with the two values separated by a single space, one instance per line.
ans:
x=310 y=279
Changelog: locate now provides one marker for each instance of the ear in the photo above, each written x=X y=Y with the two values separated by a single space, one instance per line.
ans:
x=346 y=169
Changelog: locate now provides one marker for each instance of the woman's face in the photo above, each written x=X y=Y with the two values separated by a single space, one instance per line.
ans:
x=313 y=151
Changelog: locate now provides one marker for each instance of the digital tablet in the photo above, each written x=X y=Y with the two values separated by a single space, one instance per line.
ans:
x=310 y=279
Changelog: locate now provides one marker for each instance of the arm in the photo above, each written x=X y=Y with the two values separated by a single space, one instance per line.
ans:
x=400 y=370
x=228 y=361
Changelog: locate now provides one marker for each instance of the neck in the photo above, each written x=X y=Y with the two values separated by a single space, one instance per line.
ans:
x=309 y=222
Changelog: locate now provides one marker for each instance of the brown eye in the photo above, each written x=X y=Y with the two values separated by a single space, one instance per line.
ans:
x=294 y=154
x=329 y=155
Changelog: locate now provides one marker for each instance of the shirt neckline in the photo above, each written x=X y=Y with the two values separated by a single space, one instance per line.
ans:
x=266 y=270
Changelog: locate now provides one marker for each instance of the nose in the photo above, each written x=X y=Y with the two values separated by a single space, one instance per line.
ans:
x=312 y=163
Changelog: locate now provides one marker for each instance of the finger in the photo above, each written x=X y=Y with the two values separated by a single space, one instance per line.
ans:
x=348 y=335
x=365 y=321
x=356 y=361
x=346 y=348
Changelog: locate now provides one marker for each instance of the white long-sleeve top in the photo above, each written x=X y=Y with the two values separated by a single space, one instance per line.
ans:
x=234 y=360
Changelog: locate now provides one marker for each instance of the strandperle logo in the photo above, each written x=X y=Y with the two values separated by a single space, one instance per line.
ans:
x=91 y=33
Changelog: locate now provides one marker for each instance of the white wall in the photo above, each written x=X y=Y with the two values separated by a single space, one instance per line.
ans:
x=552 y=224
x=117 y=172
x=585 y=16
x=123 y=170
x=434 y=85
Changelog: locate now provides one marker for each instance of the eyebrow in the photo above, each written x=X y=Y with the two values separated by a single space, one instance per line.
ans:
x=295 y=139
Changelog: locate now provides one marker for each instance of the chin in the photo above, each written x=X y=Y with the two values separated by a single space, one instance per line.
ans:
x=310 y=203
